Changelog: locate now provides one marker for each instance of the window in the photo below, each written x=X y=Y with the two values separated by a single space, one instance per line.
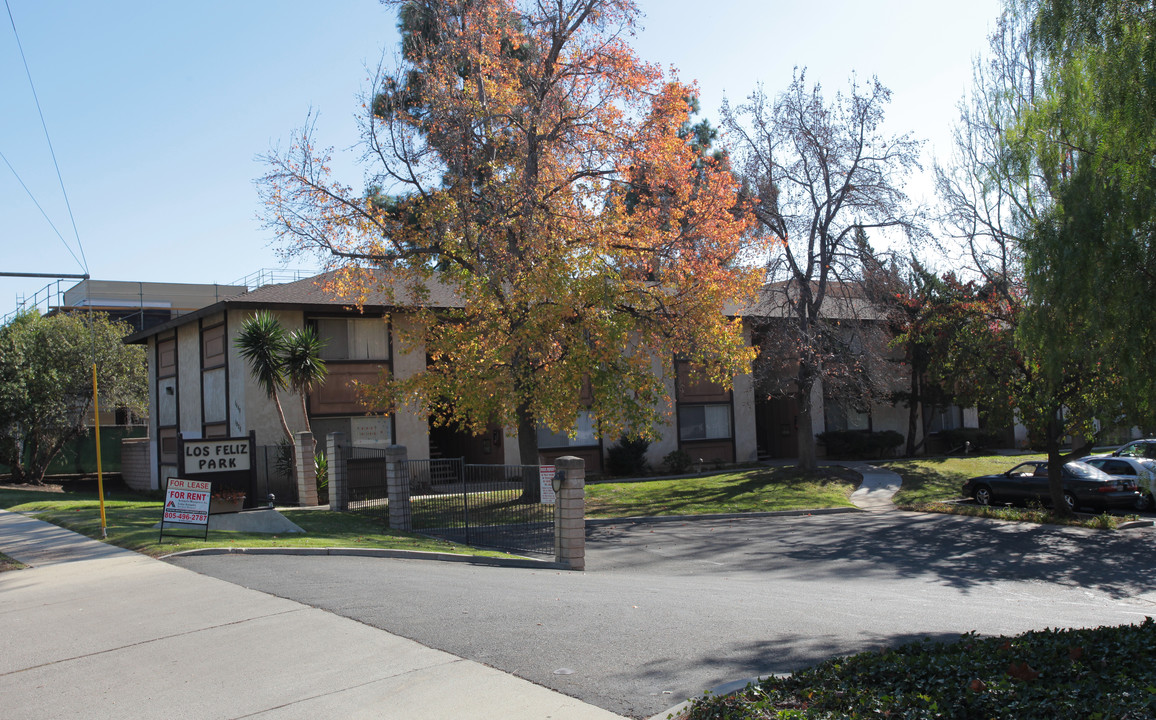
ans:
x=704 y=422
x=353 y=338
x=1139 y=449
x=585 y=434
x=948 y=418
x=841 y=415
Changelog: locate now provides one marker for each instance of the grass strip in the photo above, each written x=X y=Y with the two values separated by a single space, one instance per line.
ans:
x=131 y=520
x=928 y=480
x=756 y=490
x=1106 y=672
x=1033 y=514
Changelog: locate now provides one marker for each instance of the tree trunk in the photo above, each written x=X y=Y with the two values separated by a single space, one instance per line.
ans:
x=913 y=408
x=13 y=457
x=287 y=431
x=807 y=459
x=1056 y=467
x=528 y=455
x=308 y=426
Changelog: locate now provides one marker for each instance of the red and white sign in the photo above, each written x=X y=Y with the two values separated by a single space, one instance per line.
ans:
x=546 y=483
x=187 y=501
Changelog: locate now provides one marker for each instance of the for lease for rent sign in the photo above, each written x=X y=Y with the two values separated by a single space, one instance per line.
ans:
x=187 y=501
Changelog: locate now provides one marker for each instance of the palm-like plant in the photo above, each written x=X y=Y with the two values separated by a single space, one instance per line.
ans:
x=262 y=343
x=304 y=369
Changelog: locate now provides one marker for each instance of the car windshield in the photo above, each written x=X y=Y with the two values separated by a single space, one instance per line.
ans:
x=1138 y=450
x=1086 y=471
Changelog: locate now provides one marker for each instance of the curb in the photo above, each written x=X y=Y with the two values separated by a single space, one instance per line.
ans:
x=521 y=563
x=1135 y=524
x=643 y=519
x=526 y=563
x=728 y=688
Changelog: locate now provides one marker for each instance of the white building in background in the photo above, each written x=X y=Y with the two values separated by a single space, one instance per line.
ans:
x=200 y=387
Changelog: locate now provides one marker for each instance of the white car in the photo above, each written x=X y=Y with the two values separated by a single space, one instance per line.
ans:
x=1138 y=470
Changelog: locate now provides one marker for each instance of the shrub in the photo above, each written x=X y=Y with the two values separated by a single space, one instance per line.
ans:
x=677 y=461
x=1107 y=672
x=628 y=457
x=860 y=443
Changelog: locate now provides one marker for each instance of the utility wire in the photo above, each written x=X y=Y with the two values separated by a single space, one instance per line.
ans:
x=83 y=260
x=37 y=204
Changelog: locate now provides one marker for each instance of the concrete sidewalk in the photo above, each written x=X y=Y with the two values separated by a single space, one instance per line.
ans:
x=96 y=631
x=876 y=490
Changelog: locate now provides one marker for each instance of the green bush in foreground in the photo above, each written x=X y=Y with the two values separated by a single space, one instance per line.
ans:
x=1099 y=674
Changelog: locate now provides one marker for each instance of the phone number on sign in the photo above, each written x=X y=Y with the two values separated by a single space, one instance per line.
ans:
x=185 y=517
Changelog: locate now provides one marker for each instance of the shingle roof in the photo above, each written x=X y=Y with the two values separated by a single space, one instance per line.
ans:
x=314 y=294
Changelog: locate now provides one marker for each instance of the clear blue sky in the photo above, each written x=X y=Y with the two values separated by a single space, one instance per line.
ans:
x=157 y=110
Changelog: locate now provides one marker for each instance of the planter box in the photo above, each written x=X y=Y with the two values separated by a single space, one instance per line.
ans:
x=220 y=507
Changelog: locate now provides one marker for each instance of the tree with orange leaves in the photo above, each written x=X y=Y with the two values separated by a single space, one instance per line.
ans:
x=524 y=155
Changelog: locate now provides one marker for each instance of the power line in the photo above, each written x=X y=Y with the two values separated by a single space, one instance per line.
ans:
x=83 y=260
x=37 y=204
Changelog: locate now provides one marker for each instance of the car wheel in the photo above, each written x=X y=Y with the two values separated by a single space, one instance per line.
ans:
x=1144 y=501
x=983 y=495
x=1070 y=501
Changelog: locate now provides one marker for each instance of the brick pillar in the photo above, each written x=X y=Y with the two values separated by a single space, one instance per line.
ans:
x=397 y=485
x=337 y=456
x=570 y=514
x=306 y=470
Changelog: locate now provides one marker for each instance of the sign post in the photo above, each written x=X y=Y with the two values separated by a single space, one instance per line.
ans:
x=187 y=503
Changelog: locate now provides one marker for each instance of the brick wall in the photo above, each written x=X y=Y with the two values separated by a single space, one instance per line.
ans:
x=134 y=463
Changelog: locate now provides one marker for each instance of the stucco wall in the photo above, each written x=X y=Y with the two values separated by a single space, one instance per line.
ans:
x=667 y=428
x=746 y=440
x=412 y=426
x=258 y=413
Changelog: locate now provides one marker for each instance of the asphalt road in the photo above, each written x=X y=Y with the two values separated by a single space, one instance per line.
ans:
x=666 y=610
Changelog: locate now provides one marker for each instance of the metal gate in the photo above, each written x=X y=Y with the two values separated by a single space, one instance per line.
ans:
x=480 y=505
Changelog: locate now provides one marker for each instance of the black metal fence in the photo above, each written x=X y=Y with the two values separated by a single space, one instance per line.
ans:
x=491 y=506
x=481 y=505
x=274 y=474
x=365 y=473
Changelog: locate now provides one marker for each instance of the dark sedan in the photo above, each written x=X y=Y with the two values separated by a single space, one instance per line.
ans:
x=1084 y=486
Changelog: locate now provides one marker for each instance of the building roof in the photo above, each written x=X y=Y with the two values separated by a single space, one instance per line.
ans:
x=317 y=294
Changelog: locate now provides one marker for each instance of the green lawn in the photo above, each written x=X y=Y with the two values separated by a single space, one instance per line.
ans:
x=934 y=479
x=761 y=489
x=131 y=517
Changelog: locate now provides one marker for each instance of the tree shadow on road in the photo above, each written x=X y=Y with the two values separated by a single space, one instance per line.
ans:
x=962 y=552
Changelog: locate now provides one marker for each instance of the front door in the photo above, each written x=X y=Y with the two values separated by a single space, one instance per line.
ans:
x=777 y=426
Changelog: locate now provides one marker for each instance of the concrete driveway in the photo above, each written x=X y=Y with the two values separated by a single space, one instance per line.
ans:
x=666 y=610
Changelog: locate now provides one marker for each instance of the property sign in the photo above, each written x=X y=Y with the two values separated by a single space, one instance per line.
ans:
x=546 y=483
x=187 y=501
x=214 y=456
